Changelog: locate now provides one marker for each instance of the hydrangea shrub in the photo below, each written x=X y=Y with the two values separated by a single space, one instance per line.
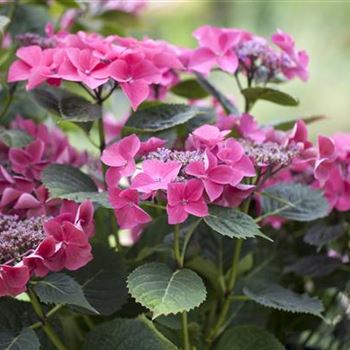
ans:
x=180 y=225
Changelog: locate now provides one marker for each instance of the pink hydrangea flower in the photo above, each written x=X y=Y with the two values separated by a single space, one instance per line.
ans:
x=120 y=158
x=184 y=199
x=216 y=48
x=213 y=176
x=156 y=175
x=207 y=136
x=13 y=279
x=126 y=208
x=35 y=65
x=134 y=74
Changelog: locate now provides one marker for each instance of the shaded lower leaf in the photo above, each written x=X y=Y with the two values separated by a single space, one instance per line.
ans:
x=313 y=266
x=58 y=288
x=164 y=291
x=278 y=297
x=26 y=339
x=320 y=234
x=103 y=280
x=248 y=338
x=307 y=204
x=127 y=334
x=232 y=223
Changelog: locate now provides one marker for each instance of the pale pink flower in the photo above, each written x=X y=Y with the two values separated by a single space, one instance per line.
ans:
x=206 y=136
x=325 y=158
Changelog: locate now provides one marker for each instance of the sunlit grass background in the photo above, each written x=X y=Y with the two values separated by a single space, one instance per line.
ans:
x=320 y=27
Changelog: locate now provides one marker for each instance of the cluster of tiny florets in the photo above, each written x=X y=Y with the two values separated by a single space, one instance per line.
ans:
x=28 y=39
x=19 y=236
x=270 y=153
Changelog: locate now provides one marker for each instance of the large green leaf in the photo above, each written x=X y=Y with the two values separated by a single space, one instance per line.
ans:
x=58 y=288
x=103 y=280
x=15 y=138
x=248 y=338
x=253 y=94
x=161 y=117
x=189 y=89
x=127 y=334
x=226 y=104
x=63 y=180
x=320 y=234
x=278 y=297
x=164 y=291
x=232 y=223
x=306 y=203
x=26 y=339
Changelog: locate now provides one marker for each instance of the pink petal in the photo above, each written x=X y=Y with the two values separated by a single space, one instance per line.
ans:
x=18 y=71
x=136 y=91
x=30 y=54
x=27 y=201
x=194 y=190
x=176 y=214
x=213 y=189
x=202 y=60
x=228 y=62
x=198 y=208
x=119 y=71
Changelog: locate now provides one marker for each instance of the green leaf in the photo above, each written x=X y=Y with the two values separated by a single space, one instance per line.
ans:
x=190 y=89
x=253 y=94
x=162 y=117
x=68 y=3
x=166 y=292
x=25 y=340
x=127 y=334
x=62 y=180
x=248 y=338
x=58 y=288
x=280 y=298
x=100 y=198
x=227 y=105
x=49 y=98
x=4 y=21
x=76 y=108
x=289 y=123
x=15 y=138
x=320 y=234
x=232 y=223
x=313 y=266
x=103 y=280
x=307 y=204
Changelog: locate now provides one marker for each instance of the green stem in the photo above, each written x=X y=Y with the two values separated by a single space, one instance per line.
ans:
x=177 y=246
x=185 y=336
x=153 y=205
x=187 y=240
x=56 y=341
